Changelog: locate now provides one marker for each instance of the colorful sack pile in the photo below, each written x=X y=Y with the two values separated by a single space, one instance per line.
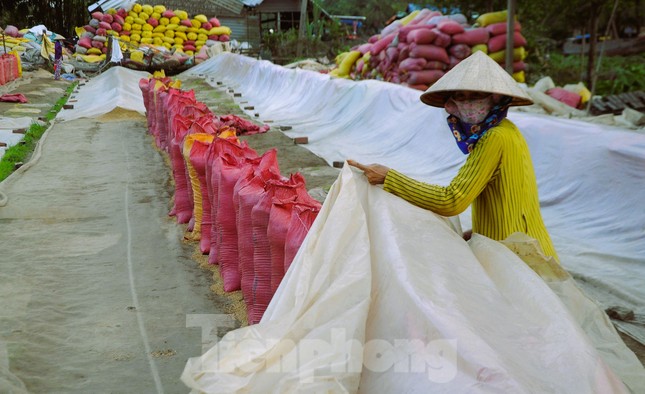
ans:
x=245 y=215
x=13 y=40
x=153 y=26
x=419 y=49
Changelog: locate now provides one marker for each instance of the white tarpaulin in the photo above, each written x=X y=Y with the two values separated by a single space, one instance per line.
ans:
x=116 y=87
x=591 y=177
x=385 y=297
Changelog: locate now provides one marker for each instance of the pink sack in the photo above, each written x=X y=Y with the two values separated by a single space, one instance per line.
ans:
x=422 y=36
x=450 y=27
x=105 y=25
x=460 y=51
x=498 y=43
x=197 y=158
x=442 y=39
x=426 y=77
x=215 y=22
x=85 y=42
x=412 y=64
x=435 y=65
x=429 y=52
x=569 y=98
x=500 y=28
x=472 y=37
x=382 y=44
x=107 y=18
x=183 y=206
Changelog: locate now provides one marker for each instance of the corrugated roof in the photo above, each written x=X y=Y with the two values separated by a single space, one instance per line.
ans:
x=107 y=4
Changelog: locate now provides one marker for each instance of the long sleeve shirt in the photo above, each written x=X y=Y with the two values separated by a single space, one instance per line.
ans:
x=497 y=179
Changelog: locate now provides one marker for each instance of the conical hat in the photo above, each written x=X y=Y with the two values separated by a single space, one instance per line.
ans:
x=478 y=73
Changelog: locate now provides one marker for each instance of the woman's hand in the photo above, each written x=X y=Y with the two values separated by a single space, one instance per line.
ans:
x=375 y=173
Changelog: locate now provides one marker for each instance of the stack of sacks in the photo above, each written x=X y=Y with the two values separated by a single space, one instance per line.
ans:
x=149 y=25
x=495 y=23
x=247 y=217
x=13 y=40
x=418 y=50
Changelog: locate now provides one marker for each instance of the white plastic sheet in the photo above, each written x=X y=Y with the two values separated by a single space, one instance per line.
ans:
x=385 y=297
x=591 y=177
x=116 y=87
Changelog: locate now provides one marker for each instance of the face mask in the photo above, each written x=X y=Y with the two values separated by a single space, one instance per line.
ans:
x=470 y=111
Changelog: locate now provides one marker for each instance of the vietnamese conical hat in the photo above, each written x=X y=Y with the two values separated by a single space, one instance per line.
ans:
x=478 y=73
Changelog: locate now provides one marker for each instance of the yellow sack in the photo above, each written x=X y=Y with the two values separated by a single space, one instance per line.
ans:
x=144 y=15
x=347 y=63
x=146 y=34
x=202 y=37
x=519 y=76
x=164 y=21
x=175 y=20
x=181 y=14
x=136 y=8
x=500 y=56
x=159 y=29
x=491 y=17
x=79 y=31
x=136 y=56
x=189 y=141
x=129 y=19
x=192 y=36
x=222 y=30
x=159 y=9
x=159 y=74
x=92 y=58
x=148 y=9
x=201 y=18
x=480 y=47
x=409 y=18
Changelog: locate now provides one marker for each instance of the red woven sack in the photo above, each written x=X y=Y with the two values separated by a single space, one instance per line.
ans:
x=262 y=268
x=302 y=217
x=429 y=52
x=497 y=43
x=231 y=159
x=472 y=37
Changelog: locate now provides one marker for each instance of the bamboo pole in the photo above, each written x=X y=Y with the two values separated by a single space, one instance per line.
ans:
x=510 y=29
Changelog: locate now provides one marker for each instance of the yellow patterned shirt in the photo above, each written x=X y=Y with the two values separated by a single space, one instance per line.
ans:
x=497 y=178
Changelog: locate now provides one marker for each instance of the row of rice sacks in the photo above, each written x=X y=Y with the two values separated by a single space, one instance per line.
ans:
x=151 y=25
x=419 y=49
x=246 y=216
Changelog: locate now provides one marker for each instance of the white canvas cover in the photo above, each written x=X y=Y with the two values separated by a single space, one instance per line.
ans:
x=591 y=177
x=116 y=87
x=385 y=297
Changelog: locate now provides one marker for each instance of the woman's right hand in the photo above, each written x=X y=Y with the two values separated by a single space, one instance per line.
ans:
x=375 y=173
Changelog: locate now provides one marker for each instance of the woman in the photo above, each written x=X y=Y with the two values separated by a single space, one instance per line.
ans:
x=58 y=58
x=497 y=177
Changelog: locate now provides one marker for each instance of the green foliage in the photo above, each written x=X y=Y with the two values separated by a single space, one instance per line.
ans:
x=21 y=152
x=617 y=74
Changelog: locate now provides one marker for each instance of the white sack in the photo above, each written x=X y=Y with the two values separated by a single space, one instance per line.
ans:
x=377 y=275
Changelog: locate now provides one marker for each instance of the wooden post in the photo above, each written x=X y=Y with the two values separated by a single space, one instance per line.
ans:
x=303 y=26
x=510 y=29
x=592 y=46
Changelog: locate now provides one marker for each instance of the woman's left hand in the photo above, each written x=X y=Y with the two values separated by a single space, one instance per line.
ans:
x=375 y=173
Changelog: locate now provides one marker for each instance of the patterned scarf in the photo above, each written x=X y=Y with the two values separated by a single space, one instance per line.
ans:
x=467 y=135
